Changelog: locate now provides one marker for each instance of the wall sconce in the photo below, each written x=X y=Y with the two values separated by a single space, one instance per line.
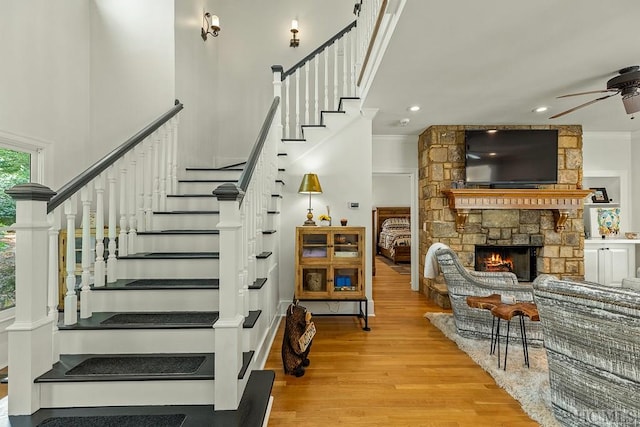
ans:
x=310 y=185
x=294 y=42
x=210 y=25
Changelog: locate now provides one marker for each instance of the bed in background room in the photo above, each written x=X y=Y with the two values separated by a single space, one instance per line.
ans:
x=393 y=233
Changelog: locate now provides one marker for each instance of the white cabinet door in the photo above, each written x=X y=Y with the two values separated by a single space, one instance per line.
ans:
x=617 y=265
x=592 y=265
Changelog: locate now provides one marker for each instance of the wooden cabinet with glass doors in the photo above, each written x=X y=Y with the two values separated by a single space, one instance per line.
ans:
x=330 y=263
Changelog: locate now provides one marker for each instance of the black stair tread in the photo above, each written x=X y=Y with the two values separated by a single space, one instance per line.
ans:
x=263 y=255
x=277 y=195
x=268 y=231
x=137 y=284
x=172 y=255
x=258 y=283
x=121 y=367
x=273 y=212
x=174 y=232
x=108 y=320
x=313 y=126
x=251 y=410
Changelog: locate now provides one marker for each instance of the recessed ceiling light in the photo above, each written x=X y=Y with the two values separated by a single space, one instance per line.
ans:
x=414 y=108
x=541 y=109
x=492 y=130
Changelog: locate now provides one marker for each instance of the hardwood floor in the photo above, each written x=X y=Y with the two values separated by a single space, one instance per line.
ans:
x=404 y=372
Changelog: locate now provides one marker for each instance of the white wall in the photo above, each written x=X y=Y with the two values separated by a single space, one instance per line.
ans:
x=44 y=77
x=635 y=182
x=391 y=189
x=394 y=156
x=255 y=35
x=343 y=165
x=132 y=69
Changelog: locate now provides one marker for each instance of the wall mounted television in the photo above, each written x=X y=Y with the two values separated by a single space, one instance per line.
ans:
x=511 y=158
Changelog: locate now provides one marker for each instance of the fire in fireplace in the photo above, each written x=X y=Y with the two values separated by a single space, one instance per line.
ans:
x=520 y=260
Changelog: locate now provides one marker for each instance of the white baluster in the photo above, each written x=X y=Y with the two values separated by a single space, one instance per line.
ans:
x=316 y=112
x=99 y=266
x=140 y=178
x=111 y=259
x=123 y=247
x=297 y=98
x=163 y=168
x=148 y=182
x=287 y=101
x=174 y=157
x=157 y=143
x=131 y=203
x=306 y=94
x=71 y=299
x=85 y=293
x=53 y=287
x=352 y=67
x=336 y=79
x=326 y=80
x=345 y=85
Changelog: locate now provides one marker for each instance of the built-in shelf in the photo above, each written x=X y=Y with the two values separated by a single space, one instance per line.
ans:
x=561 y=202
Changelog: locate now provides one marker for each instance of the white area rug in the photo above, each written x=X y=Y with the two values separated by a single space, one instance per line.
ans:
x=529 y=386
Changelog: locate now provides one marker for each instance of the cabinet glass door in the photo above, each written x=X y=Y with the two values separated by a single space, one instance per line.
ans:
x=345 y=245
x=314 y=245
x=346 y=280
x=314 y=279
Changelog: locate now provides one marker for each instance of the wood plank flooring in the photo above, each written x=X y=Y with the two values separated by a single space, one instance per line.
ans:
x=404 y=372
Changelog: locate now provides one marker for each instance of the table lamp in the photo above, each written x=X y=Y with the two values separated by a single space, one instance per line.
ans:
x=310 y=185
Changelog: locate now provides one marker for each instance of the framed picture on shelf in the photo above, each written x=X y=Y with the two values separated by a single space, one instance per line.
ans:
x=599 y=195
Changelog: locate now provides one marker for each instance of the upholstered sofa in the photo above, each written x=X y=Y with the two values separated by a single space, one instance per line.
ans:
x=462 y=282
x=592 y=340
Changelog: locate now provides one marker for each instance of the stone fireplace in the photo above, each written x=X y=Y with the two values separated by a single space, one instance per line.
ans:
x=552 y=225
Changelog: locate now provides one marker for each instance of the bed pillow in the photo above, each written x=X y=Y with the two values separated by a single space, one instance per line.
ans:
x=396 y=223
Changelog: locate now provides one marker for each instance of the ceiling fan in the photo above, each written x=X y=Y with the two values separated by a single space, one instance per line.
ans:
x=627 y=83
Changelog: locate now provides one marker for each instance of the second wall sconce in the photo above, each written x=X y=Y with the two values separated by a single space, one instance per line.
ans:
x=294 y=42
x=210 y=25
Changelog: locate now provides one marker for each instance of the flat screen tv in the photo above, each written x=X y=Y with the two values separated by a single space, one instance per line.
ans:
x=511 y=158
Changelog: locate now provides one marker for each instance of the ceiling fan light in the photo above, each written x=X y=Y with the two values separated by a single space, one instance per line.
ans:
x=632 y=102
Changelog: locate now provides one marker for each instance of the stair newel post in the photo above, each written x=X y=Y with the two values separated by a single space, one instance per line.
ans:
x=245 y=251
x=85 y=292
x=30 y=337
x=70 y=299
x=277 y=91
x=228 y=343
x=99 y=265
x=131 y=202
x=53 y=286
x=122 y=237
x=140 y=174
x=148 y=182
x=111 y=259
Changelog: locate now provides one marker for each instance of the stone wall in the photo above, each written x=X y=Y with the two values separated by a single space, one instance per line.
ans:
x=441 y=162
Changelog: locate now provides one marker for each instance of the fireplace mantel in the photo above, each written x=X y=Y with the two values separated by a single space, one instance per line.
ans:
x=561 y=202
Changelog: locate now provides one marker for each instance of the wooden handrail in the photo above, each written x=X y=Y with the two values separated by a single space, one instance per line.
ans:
x=318 y=50
x=247 y=172
x=101 y=165
x=374 y=34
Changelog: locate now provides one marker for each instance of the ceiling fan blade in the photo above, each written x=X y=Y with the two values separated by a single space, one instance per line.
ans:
x=583 y=105
x=587 y=93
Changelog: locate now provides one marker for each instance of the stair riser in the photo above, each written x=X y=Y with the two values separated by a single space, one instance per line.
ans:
x=178 y=242
x=167 y=268
x=251 y=338
x=196 y=187
x=155 y=300
x=212 y=174
x=192 y=203
x=185 y=221
x=124 y=341
x=126 y=393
